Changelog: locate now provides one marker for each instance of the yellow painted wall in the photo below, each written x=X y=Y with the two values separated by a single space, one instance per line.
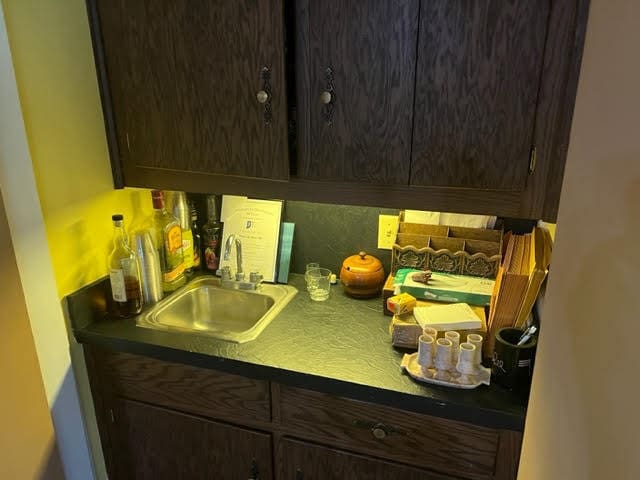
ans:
x=55 y=72
x=583 y=419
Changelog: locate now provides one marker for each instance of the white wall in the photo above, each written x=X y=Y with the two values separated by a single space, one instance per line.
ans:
x=24 y=216
x=583 y=421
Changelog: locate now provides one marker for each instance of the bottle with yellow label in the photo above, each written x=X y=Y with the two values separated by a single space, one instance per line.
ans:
x=182 y=212
x=168 y=241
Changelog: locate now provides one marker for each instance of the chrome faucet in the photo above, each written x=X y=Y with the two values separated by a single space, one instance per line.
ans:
x=233 y=238
x=225 y=272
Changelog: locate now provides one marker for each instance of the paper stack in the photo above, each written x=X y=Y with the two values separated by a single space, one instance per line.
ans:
x=452 y=316
x=519 y=279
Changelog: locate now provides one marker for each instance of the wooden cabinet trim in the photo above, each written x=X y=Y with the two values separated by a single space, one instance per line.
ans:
x=508 y=457
x=105 y=95
x=462 y=200
x=559 y=80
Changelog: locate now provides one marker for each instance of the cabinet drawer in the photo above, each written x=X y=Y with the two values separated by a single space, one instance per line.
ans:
x=189 y=389
x=443 y=445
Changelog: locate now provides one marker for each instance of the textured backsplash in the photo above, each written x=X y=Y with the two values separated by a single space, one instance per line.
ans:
x=327 y=234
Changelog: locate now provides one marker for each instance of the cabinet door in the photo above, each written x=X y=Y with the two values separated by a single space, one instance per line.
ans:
x=360 y=57
x=305 y=461
x=183 y=79
x=154 y=443
x=478 y=76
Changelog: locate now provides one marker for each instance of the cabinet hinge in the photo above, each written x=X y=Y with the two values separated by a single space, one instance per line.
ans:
x=112 y=416
x=128 y=146
x=533 y=157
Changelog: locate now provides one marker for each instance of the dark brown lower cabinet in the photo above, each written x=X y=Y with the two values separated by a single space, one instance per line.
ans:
x=155 y=443
x=162 y=420
x=305 y=461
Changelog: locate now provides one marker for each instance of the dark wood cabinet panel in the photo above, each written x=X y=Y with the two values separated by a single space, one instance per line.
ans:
x=154 y=443
x=190 y=389
x=364 y=56
x=182 y=81
x=305 y=461
x=453 y=448
x=434 y=103
x=478 y=76
x=146 y=411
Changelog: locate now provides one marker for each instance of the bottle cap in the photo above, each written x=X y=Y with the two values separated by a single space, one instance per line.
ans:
x=117 y=217
x=157 y=197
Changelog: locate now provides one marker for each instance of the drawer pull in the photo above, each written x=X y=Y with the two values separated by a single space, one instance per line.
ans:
x=379 y=430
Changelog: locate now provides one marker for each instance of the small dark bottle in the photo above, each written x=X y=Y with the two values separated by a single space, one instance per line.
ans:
x=212 y=236
x=197 y=239
x=124 y=273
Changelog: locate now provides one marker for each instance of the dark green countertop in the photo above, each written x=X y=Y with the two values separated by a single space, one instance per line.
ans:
x=340 y=346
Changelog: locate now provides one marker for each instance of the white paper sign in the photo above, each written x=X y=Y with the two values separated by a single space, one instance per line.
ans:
x=256 y=223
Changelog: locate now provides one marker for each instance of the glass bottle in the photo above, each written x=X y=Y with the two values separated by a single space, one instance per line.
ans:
x=124 y=273
x=197 y=240
x=168 y=241
x=181 y=212
x=212 y=236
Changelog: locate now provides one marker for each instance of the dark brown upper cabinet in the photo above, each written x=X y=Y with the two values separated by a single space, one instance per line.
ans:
x=355 y=81
x=479 y=73
x=452 y=105
x=194 y=86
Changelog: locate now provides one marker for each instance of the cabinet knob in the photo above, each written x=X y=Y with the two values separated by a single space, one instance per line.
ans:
x=325 y=97
x=379 y=432
x=262 y=96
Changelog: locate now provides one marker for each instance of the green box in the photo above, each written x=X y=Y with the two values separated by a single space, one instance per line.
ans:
x=446 y=287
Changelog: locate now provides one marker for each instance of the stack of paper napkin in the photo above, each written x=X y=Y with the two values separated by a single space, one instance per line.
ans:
x=451 y=316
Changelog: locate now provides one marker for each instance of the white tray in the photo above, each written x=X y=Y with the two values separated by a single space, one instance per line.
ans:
x=455 y=379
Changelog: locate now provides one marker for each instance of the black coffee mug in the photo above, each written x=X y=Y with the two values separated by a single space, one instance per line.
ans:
x=512 y=364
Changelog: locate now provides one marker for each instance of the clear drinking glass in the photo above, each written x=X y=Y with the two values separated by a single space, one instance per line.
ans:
x=318 y=283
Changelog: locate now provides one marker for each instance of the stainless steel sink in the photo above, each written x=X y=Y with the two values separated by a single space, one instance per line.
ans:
x=205 y=308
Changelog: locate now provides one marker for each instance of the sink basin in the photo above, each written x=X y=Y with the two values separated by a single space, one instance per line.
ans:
x=205 y=308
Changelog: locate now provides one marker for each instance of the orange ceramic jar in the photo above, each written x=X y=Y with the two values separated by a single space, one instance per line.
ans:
x=362 y=276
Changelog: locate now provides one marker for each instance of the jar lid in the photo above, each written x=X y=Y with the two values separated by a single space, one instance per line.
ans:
x=362 y=263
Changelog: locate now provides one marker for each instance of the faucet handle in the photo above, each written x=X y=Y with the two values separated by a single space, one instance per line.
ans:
x=225 y=273
x=240 y=277
x=255 y=277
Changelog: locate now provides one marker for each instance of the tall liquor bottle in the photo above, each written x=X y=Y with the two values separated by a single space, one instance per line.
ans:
x=124 y=273
x=197 y=239
x=182 y=213
x=212 y=236
x=168 y=241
